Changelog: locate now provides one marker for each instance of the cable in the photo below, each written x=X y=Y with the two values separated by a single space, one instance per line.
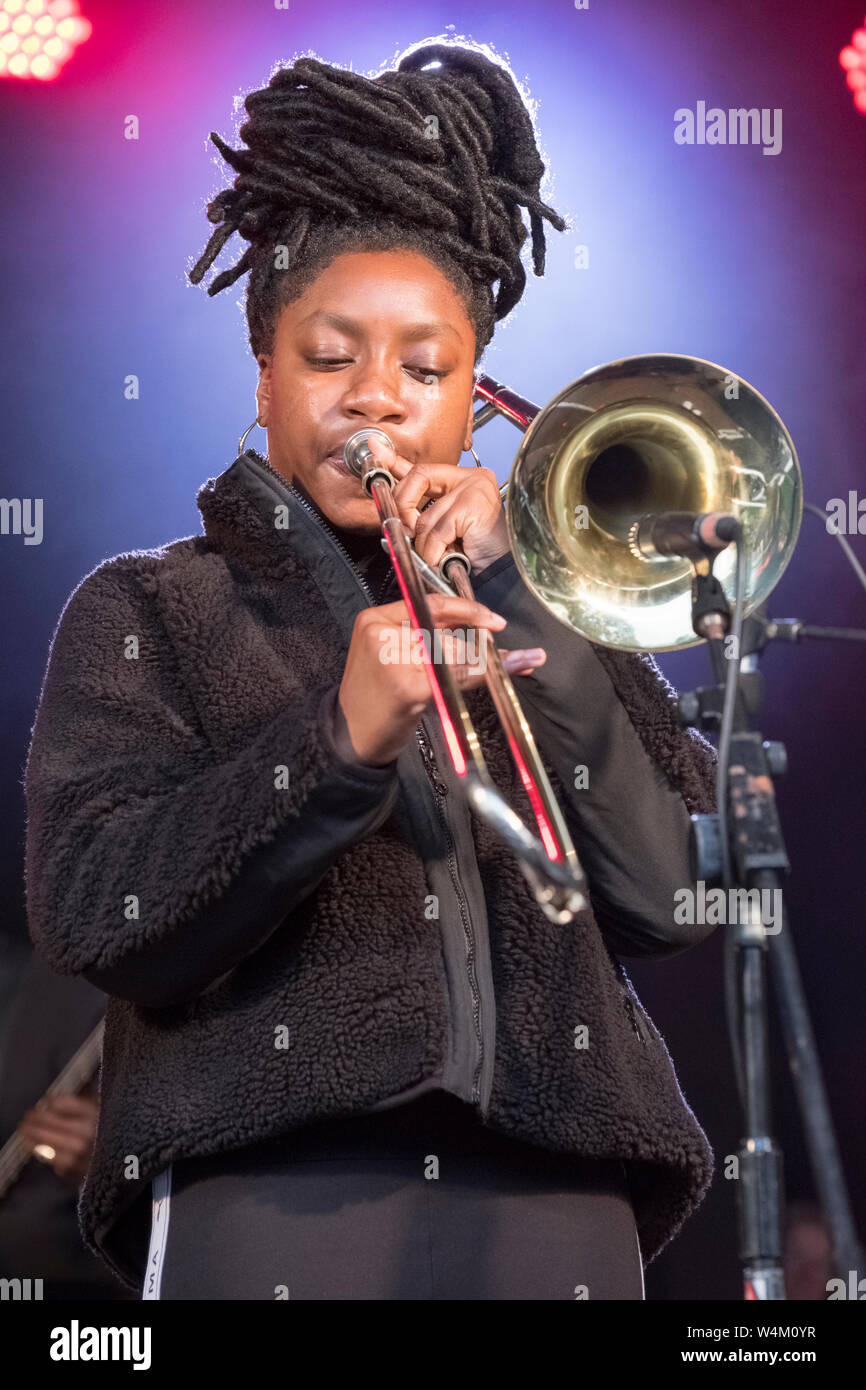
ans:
x=849 y=553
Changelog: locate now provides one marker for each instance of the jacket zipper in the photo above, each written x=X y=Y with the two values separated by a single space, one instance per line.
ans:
x=440 y=790
x=628 y=1000
x=630 y=1010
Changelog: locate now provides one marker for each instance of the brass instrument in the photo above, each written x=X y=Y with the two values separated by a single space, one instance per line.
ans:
x=548 y=860
x=627 y=440
x=664 y=433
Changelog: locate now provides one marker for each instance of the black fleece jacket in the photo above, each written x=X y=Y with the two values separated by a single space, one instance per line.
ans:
x=287 y=934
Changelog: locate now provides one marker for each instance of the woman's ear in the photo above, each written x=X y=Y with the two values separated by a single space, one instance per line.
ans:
x=263 y=390
x=470 y=421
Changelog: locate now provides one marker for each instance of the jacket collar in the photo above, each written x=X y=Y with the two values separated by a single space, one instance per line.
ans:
x=269 y=533
x=249 y=511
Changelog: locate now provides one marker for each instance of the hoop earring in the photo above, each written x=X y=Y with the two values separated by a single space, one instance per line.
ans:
x=258 y=422
x=470 y=450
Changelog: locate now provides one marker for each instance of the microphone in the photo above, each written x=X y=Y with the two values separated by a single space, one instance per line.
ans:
x=691 y=535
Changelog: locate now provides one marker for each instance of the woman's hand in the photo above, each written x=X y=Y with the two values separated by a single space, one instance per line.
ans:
x=467 y=507
x=385 y=688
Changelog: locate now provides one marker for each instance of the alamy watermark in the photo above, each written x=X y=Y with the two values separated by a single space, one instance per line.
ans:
x=700 y=906
x=453 y=646
x=846 y=518
x=77 y=1343
x=737 y=126
x=22 y=516
x=20 y=1290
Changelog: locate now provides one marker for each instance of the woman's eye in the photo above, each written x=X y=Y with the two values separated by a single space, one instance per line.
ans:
x=427 y=373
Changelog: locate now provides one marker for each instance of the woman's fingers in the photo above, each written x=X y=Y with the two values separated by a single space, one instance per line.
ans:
x=446 y=611
x=416 y=482
x=470 y=675
x=457 y=640
x=59 y=1119
x=523 y=662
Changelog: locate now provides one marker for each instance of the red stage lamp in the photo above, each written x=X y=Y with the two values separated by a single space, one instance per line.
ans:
x=37 y=37
x=853 y=59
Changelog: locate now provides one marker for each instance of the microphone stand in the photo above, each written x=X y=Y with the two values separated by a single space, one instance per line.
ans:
x=758 y=861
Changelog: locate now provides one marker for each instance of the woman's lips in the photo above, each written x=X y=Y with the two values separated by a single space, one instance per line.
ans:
x=337 y=461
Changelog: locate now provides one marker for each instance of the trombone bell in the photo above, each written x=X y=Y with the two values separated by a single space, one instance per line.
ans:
x=637 y=436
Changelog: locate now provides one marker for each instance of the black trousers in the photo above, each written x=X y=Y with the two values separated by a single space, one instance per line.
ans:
x=417 y=1202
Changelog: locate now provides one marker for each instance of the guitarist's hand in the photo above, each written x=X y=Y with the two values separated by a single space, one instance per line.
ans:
x=68 y=1124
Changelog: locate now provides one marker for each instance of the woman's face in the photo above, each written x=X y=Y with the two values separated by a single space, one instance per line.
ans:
x=379 y=338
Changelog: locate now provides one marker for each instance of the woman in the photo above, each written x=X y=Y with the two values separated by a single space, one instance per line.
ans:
x=346 y=1055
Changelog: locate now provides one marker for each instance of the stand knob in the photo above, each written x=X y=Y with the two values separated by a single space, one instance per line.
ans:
x=705 y=850
x=777 y=757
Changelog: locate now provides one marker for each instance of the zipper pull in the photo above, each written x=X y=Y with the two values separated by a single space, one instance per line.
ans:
x=630 y=1010
x=430 y=763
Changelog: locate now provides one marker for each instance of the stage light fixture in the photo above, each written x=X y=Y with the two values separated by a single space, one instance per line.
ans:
x=37 y=37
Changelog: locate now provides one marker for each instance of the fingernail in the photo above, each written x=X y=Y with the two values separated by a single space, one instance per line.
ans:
x=497 y=618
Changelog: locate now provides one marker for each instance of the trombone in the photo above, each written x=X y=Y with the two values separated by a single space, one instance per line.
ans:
x=625 y=442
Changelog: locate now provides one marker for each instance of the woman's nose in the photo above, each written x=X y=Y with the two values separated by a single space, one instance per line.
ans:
x=374 y=393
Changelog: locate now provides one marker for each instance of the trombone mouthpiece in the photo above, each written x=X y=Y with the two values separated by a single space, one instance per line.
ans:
x=357 y=452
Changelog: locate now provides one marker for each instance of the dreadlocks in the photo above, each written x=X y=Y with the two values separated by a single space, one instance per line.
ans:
x=439 y=161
